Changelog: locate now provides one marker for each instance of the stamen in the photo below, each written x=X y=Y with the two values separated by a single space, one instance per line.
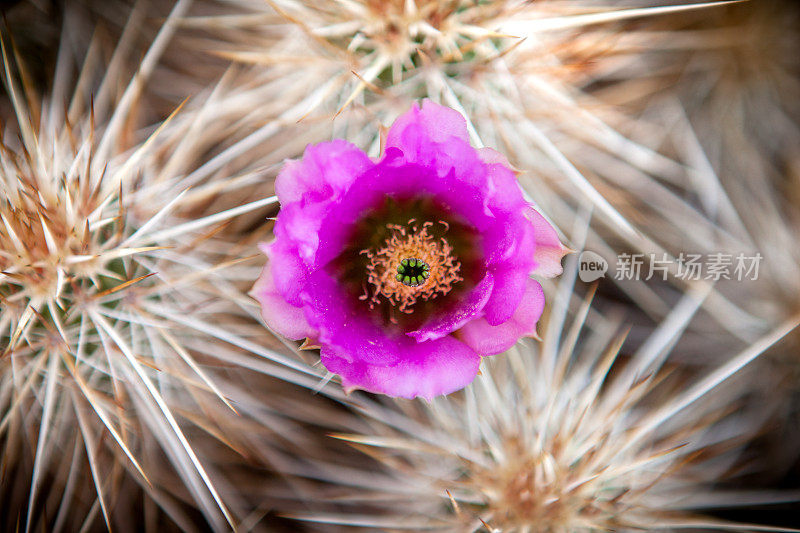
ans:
x=411 y=264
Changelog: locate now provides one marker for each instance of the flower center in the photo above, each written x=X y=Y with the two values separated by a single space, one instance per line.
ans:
x=410 y=265
x=413 y=272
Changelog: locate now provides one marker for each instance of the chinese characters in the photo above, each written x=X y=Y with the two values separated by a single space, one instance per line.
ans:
x=688 y=266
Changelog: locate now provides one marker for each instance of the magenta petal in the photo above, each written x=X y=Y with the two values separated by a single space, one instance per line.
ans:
x=549 y=250
x=300 y=225
x=427 y=369
x=509 y=286
x=455 y=318
x=356 y=335
x=293 y=273
x=505 y=193
x=280 y=316
x=510 y=246
x=489 y=340
x=431 y=122
x=325 y=170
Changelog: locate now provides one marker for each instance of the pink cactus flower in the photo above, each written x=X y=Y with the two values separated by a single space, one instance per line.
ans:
x=407 y=270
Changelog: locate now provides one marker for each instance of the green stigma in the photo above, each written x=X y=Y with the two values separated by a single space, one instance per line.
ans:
x=413 y=272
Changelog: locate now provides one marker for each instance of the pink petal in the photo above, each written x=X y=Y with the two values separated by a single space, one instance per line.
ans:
x=509 y=288
x=431 y=123
x=279 y=315
x=486 y=339
x=285 y=259
x=325 y=170
x=490 y=156
x=468 y=309
x=348 y=325
x=510 y=241
x=300 y=224
x=427 y=370
x=505 y=193
x=549 y=250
